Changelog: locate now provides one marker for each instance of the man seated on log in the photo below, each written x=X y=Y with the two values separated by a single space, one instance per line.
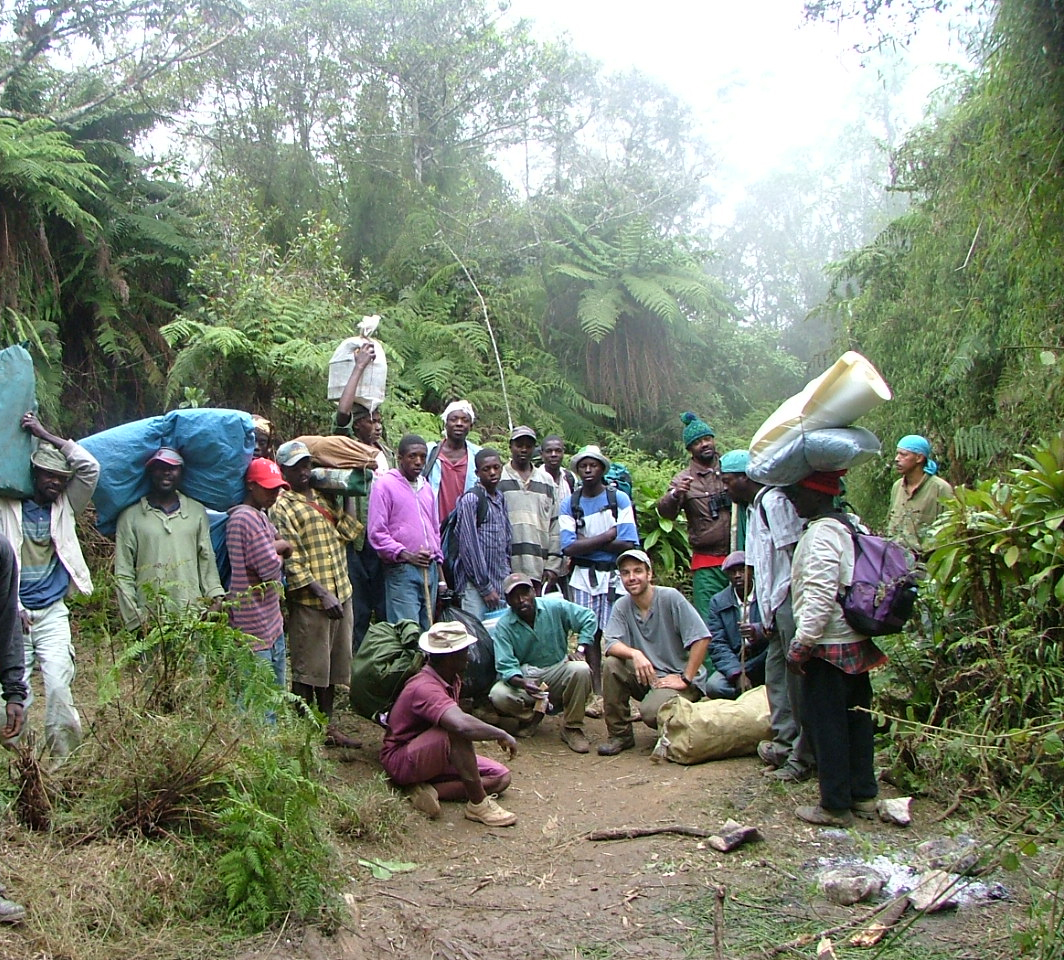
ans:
x=655 y=645
x=739 y=641
x=429 y=744
x=532 y=648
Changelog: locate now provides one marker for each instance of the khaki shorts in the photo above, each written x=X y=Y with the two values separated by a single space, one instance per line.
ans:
x=320 y=648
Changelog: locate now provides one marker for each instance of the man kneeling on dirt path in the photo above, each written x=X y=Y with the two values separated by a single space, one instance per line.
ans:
x=655 y=645
x=429 y=744
x=532 y=648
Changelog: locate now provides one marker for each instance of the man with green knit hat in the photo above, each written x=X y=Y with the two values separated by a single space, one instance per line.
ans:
x=700 y=492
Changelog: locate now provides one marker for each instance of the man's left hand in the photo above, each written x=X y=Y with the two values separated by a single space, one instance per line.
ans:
x=15 y=714
x=671 y=681
x=550 y=578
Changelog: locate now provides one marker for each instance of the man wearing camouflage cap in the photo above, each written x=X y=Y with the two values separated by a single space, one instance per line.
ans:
x=42 y=534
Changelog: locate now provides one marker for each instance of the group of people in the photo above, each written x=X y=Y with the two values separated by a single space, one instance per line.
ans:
x=543 y=551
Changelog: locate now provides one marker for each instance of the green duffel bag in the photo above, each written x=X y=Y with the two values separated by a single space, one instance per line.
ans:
x=386 y=659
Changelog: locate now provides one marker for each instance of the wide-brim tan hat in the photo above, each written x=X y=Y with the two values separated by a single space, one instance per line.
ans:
x=448 y=636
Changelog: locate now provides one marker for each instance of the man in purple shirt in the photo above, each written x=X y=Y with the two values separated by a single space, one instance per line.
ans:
x=429 y=744
x=404 y=529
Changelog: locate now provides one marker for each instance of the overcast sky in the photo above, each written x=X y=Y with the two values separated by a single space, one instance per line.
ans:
x=762 y=82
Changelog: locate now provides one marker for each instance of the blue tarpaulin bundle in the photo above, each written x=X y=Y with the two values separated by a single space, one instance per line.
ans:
x=216 y=445
x=17 y=398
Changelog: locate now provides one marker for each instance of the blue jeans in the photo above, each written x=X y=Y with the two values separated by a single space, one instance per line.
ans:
x=275 y=657
x=404 y=592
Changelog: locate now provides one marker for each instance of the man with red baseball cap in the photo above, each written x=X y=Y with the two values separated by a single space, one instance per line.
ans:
x=257 y=553
x=163 y=542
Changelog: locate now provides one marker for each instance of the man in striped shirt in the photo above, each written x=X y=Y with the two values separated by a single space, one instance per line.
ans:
x=257 y=553
x=483 y=544
x=532 y=504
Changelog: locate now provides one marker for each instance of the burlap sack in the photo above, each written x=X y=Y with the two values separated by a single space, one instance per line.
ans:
x=713 y=729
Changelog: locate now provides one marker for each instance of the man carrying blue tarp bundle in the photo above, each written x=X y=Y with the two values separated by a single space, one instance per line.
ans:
x=42 y=533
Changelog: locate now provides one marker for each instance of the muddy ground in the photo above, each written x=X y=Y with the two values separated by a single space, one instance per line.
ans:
x=542 y=891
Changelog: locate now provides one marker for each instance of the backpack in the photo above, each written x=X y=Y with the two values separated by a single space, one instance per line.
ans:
x=387 y=657
x=618 y=478
x=449 y=532
x=479 y=675
x=881 y=598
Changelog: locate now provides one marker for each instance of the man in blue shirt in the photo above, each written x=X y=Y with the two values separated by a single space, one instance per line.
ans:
x=532 y=648
x=597 y=525
x=484 y=536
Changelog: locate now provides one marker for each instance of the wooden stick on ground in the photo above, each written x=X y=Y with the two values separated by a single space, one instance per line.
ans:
x=718 y=926
x=630 y=833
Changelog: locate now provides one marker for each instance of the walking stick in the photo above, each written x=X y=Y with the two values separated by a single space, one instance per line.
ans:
x=428 y=595
x=744 y=620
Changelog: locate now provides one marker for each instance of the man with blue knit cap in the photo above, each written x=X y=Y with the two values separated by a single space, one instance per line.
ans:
x=917 y=495
x=699 y=491
x=741 y=490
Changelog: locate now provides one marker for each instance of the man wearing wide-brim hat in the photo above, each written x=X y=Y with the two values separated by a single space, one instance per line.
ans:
x=51 y=565
x=428 y=748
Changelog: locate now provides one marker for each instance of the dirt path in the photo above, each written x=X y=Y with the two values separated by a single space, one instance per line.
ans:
x=541 y=891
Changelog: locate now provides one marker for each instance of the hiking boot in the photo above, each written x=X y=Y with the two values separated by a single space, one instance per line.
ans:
x=528 y=728
x=865 y=809
x=594 y=707
x=788 y=774
x=489 y=813
x=574 y=739
x=613 y=746
x=11 y=912
x=423 y=797
x=824 y=818
x=772 y=754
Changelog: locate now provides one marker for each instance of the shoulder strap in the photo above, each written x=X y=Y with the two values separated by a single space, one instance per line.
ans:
x=431 y=461
x=482 y=504
x=611 y=501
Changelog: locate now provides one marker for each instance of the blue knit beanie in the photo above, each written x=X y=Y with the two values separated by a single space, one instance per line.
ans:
x=694 y=428
x=735 y=461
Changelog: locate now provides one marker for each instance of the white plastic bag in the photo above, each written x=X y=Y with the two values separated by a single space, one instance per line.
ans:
x=374 y=382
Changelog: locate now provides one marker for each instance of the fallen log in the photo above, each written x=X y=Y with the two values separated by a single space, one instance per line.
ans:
x=631 y=833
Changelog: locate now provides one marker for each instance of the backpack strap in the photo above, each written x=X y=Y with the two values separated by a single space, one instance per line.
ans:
x=431 y=461
x=482 y=504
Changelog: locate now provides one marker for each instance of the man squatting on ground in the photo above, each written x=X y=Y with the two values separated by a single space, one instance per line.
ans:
x=428 y=747
x=163 y=552
x=739 y=641
x=655 y=647
x=256 y=555
x=532 y=648
x=483 y=546
x=593 y=535
x=12 y=682
x=699 y=491
x=405 y=530
x=318 y=587
x=832 y=659
x=42 y=533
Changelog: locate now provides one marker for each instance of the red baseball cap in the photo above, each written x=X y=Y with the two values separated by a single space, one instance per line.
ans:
x=167 y=455
x=266 y=474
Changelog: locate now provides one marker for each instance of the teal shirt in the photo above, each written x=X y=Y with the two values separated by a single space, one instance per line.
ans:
x=516 y=643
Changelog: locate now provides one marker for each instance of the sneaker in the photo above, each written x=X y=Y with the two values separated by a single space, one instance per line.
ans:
x=771 y=753
x=528 y=728
x=824 y=818
x=594 y=708
x=613 y=746
x=11 y=912
x=789 y=774
x=489 y=813
x=865 y=809
x=574 y=739
x=423 y=797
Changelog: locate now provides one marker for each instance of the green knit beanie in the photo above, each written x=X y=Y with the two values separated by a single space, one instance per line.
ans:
x=694 y=429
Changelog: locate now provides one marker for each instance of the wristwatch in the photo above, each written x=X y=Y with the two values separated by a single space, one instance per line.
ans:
x=687 y=682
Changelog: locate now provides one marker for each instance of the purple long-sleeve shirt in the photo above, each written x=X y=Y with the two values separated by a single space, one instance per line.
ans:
x=400 y=519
